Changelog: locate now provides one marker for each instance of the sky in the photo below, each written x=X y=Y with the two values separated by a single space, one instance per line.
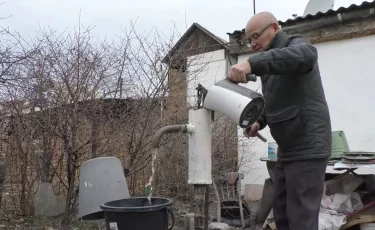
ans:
x=110 y=16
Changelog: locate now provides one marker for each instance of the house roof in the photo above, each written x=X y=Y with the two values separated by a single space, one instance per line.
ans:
x=192 y=28
x=319 y=15
x=363 y=5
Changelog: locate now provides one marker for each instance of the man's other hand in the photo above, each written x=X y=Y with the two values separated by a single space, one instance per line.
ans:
x=252 y=131
x=237 y=73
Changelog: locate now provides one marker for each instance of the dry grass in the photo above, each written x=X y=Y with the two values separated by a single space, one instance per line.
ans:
x=15 y=221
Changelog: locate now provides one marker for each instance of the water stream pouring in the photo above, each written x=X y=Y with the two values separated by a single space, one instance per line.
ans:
x=241 y=105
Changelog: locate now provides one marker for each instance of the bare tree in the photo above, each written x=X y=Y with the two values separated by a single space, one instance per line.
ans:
x=71 y=97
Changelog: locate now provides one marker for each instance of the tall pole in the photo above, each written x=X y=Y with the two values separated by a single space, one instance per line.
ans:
x=254 y=6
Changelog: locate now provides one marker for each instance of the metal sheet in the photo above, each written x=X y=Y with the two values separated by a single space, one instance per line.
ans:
x=316 y=6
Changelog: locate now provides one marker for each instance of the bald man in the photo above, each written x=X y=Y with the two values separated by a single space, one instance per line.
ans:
x=297 y=114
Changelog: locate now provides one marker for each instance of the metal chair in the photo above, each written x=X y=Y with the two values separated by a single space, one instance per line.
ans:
x=230 y=205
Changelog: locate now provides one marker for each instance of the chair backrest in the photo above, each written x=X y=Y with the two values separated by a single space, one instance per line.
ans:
x=228 y=186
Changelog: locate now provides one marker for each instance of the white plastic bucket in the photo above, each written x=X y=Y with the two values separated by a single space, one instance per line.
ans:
x=368 y=226
x=272 y=150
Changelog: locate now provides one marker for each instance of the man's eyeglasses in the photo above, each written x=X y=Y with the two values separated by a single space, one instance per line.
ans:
x=257 y=35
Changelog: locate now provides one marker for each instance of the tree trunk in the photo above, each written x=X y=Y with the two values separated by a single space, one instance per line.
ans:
x=94 y=137
x=71 y=172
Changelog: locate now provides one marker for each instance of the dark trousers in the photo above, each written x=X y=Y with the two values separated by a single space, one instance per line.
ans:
x=298 y=191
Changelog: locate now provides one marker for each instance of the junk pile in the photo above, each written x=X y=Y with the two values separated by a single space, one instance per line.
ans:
x=340 y=199
x=343 y=196
x=349 y=198
x=348 y=201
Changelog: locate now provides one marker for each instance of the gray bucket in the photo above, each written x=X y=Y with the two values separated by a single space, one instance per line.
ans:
x=101 y=180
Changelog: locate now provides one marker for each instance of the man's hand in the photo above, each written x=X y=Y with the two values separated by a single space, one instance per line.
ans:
x=237 y=73
x=252 y=131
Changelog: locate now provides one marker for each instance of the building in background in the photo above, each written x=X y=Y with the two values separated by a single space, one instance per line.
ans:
x=345 y=39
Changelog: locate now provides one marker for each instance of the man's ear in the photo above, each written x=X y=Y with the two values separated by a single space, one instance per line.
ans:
x=276 y=27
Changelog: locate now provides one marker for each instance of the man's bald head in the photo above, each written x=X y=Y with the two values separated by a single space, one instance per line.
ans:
x=261 y=29
x=263 y=18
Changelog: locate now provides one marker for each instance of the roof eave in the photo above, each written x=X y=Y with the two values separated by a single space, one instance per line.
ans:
x=166 y=59
x=311 y=18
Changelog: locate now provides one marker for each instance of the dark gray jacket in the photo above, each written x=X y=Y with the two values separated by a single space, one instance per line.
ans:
x=296 y=110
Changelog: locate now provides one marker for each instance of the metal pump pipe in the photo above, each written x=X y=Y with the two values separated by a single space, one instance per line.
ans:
x=170 y=129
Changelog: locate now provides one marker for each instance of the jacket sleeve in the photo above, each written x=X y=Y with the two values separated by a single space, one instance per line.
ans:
x=299 y=57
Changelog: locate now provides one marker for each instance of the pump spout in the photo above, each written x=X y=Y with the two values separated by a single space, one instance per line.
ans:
x=170 y=129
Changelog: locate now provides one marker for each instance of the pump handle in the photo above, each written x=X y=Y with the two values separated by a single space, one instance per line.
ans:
x=261 y=137
x=251 y=77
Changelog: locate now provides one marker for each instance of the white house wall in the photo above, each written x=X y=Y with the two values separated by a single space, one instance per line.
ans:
x=348 y=75
x=206 y=69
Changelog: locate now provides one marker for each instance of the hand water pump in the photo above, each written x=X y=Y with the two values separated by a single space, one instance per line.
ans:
x=241 y=105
